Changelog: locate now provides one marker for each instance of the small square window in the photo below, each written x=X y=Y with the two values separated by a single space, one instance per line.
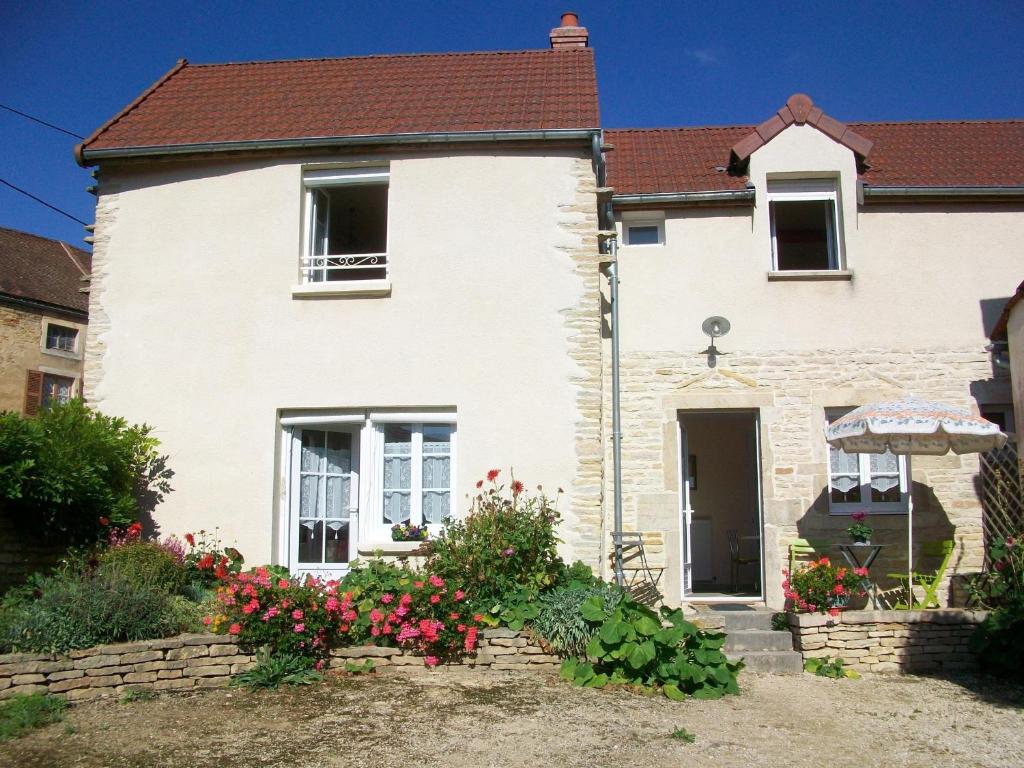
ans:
x=803 y=226
x=644 y=231
x=61 y=338
x=347 y=225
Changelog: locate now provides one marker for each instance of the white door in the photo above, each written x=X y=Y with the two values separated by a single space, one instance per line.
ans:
x=686 y=516
x=323 y=501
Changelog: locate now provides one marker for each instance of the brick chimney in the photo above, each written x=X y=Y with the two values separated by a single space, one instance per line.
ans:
x=569 y=34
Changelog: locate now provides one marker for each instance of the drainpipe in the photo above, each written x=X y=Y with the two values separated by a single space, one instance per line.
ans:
x=613 y=285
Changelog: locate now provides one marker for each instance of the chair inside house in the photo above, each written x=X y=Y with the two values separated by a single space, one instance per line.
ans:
x=641 y=580
x=803 y=551
x=738 y=560
x=938 y=552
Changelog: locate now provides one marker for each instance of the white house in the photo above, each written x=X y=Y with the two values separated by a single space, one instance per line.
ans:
x=343 y=289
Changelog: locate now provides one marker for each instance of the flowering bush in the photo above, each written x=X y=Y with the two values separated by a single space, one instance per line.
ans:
x=820 y=587
x=859 y=530
x=507 y=542
x=289 y=617
x=409 y=532
x=208 y=561
x=999 y=640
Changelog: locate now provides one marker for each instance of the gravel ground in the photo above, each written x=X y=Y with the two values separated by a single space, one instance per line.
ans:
x=459 y=717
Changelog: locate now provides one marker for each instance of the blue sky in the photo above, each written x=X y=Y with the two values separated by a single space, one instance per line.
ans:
x=659 y=63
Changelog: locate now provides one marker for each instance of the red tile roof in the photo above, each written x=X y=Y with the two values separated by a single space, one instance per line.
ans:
x=922 y=154
x=40 y=269
x=1000 y=328
x=371 y=95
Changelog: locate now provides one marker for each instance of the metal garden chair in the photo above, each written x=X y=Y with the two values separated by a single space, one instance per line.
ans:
x=642 y=581
x=941 y=551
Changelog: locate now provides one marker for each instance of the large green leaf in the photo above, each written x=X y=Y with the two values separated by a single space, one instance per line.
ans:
x=568 y=670
x=707 y=692
x=584 y=671
x=612 y=632
x=593 y=609
x=673 y=692
x=597 y=681
x=670 y=636
x=595 y=649
x=646 y=626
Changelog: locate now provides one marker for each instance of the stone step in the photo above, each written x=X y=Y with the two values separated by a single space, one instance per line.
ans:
x=734 y=621
x=757 y=640
x=770 y=662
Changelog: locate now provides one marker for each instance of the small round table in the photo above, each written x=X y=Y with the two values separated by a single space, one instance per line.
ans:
x=861 y=555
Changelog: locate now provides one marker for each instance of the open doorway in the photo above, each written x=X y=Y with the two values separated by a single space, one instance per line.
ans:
x=720 y=498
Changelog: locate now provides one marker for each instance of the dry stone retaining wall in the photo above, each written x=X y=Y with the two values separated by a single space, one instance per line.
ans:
x=206 y=661
x=890 y=641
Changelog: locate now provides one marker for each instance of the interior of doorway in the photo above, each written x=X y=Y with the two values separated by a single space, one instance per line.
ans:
x=720 y=457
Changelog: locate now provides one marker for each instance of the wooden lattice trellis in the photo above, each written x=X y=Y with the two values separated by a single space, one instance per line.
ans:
x=1002 y=494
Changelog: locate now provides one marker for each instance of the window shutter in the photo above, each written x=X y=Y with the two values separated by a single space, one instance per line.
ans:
x=33 y=392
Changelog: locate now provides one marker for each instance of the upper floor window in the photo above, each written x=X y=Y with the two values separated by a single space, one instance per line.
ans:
x=866 y=482
x=60 y=338
x=805 y=232
x=643 y=229
x=346 y=225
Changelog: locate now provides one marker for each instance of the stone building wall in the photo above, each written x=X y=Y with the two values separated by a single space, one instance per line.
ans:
x=790 y=391
x=193 y=661
x=890 y=641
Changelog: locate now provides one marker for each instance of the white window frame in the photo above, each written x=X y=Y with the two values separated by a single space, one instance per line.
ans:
x=378 y=529
x=632 y=219
x=864 y=470
x=367 y=531
x=808 y=190
x=318 y=179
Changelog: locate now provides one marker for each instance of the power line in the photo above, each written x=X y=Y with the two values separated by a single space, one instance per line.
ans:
x=41 y=122
x=43 y=202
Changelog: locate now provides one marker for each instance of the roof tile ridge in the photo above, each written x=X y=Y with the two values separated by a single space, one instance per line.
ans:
x=71 y=256
x=79 y=148
x=421 y=54
x=979 y=121
x=40 y=237
x=668 y=129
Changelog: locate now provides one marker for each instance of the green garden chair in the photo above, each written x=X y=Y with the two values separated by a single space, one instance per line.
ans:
x=940 y=551
x=803 y=551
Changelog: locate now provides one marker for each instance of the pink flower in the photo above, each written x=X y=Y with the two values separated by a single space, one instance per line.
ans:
x=460 y=628
x=418 y=584
x=436 y=581
x=435 y=599
x=272 y=612
x=297 y=614
x=387 y=598
x=859 y=516
x=405 y=599
x=459 y=594
x=299 y=628
x=470 y=642
x=861 y=571
x=234 y=629
x=207 y=620
x=508 y=552
x=282 y=584
x=833 y=611
x=402 y=610
x=376 y=616
x=375 y=631
x=431 y=661
x=453 y=616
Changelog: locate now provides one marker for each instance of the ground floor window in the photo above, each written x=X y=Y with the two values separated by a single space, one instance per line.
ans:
x=866 y=482
x=57 y=389
x=350 y=479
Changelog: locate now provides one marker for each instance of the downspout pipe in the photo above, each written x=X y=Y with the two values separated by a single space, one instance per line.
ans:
x=613 y=291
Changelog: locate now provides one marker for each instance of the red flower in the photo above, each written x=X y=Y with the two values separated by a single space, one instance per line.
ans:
x=190 y=539
x=493 y=475
x=205 y=562
x=479 y=483
x=517 y=487
x=104 y=521
x=135 y=527
x=220 y=572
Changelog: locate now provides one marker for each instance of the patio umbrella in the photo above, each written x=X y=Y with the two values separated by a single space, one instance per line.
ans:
x=910 y=426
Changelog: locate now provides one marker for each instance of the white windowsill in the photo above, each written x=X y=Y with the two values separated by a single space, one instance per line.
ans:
x=354 y=288
x=62 y=353
x=811 y=274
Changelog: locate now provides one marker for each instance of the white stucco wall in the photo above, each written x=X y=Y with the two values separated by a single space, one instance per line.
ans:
x=199 y=335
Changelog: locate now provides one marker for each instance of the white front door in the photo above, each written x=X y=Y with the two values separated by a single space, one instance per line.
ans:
x=323 y=501
x=686 y=516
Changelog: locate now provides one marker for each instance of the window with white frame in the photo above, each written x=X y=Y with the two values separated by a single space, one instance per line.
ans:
x=867 y=482
x=60 y=338
x=56 y=389
x=346 y=232
x=416 y=473
x=350 y=476
x=804 y=225
x=643 y=229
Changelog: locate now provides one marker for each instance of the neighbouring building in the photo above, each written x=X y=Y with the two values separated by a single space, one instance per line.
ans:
x=1008 y=342
x=379 y=277
x=44 y=310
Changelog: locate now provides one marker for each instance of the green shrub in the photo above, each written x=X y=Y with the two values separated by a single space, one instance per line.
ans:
x=368 y=580
x=22 y=712
x=271 y=670
x=64 y=470
x=185 y=615
x=999 y=640
x=560 y=622
x=633 y=647
x=578 y=573
x=829 y=667
x=144 y=563
x=507 y=542
x=71 y=610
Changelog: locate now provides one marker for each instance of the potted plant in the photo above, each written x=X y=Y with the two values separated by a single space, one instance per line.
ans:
x=859 y=530
x=409 y=532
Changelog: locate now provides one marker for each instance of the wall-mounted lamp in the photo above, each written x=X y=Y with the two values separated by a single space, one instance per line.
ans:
x=715 y=326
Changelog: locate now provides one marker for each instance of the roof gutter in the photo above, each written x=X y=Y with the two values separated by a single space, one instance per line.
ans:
x=87 y=157
x=721 y=196
x=980 y=191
